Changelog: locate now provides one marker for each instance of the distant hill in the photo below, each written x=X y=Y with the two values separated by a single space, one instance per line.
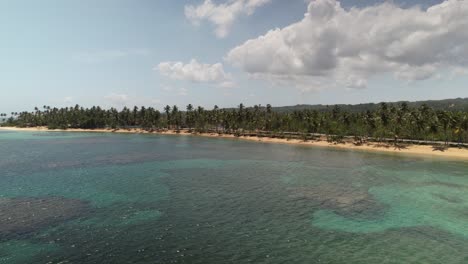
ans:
x=458 y=104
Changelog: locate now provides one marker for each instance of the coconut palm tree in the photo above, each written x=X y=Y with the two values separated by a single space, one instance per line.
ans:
x=189 y=118
x=167 y=110
x=176 y=117
x=445 y=119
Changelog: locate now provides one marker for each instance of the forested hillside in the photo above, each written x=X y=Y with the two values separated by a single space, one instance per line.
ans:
x=458 y=104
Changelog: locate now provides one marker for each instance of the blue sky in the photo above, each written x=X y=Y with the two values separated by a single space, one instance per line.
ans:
x=153 y=53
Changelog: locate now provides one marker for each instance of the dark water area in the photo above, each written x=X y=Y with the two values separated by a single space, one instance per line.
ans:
x=115 y=198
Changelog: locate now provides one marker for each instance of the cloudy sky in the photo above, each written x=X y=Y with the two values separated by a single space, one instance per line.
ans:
x=207 y=52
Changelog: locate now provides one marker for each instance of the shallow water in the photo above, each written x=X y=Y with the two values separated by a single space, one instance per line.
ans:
x=177 y=199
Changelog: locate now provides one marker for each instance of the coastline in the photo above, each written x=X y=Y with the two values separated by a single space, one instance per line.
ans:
x=424 y=150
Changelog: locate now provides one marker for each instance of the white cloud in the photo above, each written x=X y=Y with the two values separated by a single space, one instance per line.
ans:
x=68 y=99
x=107 y=55
x=332 y=46
x=156 y=101
x=195 y=72
x=222 y=15
x=167 y=88
x=227 y=84
x=458 y=72
x=182 y=92
x=118 y=99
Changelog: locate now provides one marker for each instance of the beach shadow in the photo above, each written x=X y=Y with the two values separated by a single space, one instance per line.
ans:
x=439 y=148
x=381 y=145
x=400 y=147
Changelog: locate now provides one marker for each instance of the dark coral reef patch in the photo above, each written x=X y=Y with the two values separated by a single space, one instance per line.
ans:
x=25 y=215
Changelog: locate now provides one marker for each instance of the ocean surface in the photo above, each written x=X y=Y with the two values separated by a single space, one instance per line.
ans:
x=118 y=198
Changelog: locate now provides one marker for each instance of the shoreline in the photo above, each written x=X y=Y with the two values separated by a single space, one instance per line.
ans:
x=424 y=150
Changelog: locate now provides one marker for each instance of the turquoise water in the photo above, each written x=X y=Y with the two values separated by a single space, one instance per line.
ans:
x=113 y=198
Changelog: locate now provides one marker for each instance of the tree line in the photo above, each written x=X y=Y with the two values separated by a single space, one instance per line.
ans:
x=395 y=121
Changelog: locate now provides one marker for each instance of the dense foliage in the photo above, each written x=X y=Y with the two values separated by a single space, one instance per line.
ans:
x=395 y=121
x=457 y=104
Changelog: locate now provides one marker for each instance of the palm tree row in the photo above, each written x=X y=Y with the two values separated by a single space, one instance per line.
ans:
x=389 y=121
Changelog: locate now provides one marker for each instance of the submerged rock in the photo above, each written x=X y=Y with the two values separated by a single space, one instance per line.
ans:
x=341 y=199
x=24 y=215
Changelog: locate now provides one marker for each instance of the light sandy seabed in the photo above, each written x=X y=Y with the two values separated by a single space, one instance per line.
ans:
x=408 y=149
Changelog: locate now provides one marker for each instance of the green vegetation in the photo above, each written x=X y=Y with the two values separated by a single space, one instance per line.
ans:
x=389 y=122
x=457 y=104
x=3 y=117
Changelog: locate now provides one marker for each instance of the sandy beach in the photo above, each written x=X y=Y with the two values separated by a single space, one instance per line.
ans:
x=373 y=147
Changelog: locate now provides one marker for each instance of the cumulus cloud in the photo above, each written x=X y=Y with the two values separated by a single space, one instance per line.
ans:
x=195 y=72
x=222 y=15
x=339 y=47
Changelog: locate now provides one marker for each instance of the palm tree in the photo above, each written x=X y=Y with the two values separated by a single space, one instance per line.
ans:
x=3 y=115
x=135 y=116
x=384 y=116
x=200 y=119
x=215 y=117
x=398 y=120
x=189 y=116
x=445 y=118
x=176 y=116
x=167 y=110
